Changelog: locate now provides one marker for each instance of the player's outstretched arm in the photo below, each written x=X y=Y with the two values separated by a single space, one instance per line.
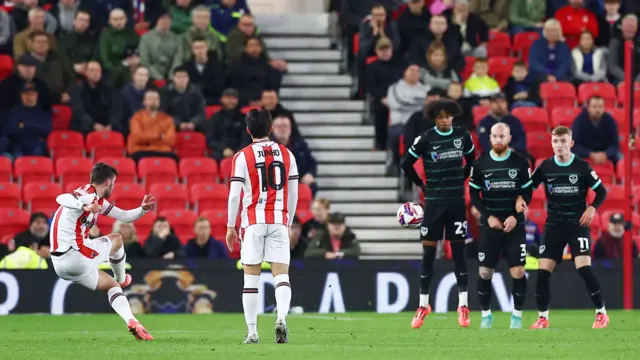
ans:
x=129 y=215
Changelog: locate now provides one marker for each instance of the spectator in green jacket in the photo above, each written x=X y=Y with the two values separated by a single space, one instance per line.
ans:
x=526 y=15
x=201 y=29
x=115 y=39
x=81 y=45
x=238 y=37
x=159 y=49
x=181 y=15
x=336 y=242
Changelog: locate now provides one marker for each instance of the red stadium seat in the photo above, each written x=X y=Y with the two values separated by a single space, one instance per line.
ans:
x=468 y=67
x=539 y=198
x=14 y=221
x=539 y=144
x=635 y=168
x=160 y=83
x=41 y=196
x=500 y=68
x=6 y=66
x=479 y=113
x=619 y=116
x=538 y=216
x=33 y=168
x=157 y=169
x=191 y=144
x=6 y=169
x=126 y=168
x=499 y=44
x=182 y=222
x=522 y=43
x=615 y=199
x=605 y=90
x=70 y=170
x=9 y=196
x=170 y=196
x=198 y=171
x=103 y=144
x=105 y=224
x=605 y=171
x=356 y=43
x=218 y=220
x=305 y=197
x=209 y=197
x=210 y=110
x=558 y=94
x=534 y=119
x=562 y=116
x=225 y=169
x=65 y=143
x=143 y=226
x=622 y=94
x=71 y=186
x=127 y=195
x=246 y=109
x=304 y=215
x=61 y=117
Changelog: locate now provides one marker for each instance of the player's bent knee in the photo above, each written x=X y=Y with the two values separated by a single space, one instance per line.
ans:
x=252 y=269
x=517 y=272
x=430 y=243
x=485 y=273
x=106 y=282
x=582 y=261
x=279 y=269
x=116 y=241
x=547 y=264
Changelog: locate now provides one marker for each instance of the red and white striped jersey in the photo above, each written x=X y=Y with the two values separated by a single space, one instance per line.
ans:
x=265 y=167
x=71 y=227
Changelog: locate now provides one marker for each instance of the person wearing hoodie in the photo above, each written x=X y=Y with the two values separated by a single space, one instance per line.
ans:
x=204 y=246
x=159 y=49
x=307 y=164
x=526 y=15
x=225 y=15
x=252 y=74
x=28 y=125
x=550 y=57
x=595 y=133
x=184 y=102
x=439 y=30
x=500 y=113
x=271 y=103
x=200 y=30
x=64 y=13
x=162 y=243
x=80 y=45
x=132 y=95
x=413 y=22
x=225 y=130
x=206 y=71
x=181 y=16
x=115 y=39
x=521 y=88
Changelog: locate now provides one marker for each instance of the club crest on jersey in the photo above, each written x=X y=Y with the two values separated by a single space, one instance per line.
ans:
x=550 y=188
x=457 y=143
x=487 y=184
x=424 y=231
x=541 y=249
x=513 y=173
x=435 y=156
x=573 y=178
x=480 y=256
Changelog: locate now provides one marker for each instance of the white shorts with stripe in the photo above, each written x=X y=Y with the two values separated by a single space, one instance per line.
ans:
x=265 y=242
x=77 y=268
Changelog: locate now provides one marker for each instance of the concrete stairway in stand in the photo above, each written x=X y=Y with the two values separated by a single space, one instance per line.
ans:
x=350 y=173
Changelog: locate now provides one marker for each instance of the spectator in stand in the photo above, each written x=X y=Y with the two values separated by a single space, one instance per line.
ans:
x=532 y=235
x=595 y=133
x=95 y=103
x=252 y=74
x=115 y=39
x=206 y=71
x=307 y=164
x=493 y=12
x=412 y=23
x=609 y=24
x=200 y=30
x=404 y=98
x=550 y=57
x=21 y=14
x=225 y=15
x=526 y=15
x=38 y=230
x=629 y=30
x=22 y=41
x=320 y=210
x=181 y=16
x=28 y=125
x=473 y=31
x=373 y=27
x=419 y=122
x=336 y=242
x=152 y=132
x=53 y=69
x=480 y=86
x=7 y=248
x=271 y=103
x=7 y=32
x=162 y=243
x=381 y=74
x=204 y=246
x=610 y=244
x=10 y=88
x=437 y=73
x=574 y=20
x=237 y=39
x=226 y=130
x=589 y=62
x=80 y=45
x=102 y=9
x=28 y=257
x=64 y=13
x=500 y=114
x=132 y=95
x=438 y=31
x=297 y=242
x=455 y=92
x=522 y=88
x=124 y=71
x=184 y=102
x=159 y=49
x=132 y=246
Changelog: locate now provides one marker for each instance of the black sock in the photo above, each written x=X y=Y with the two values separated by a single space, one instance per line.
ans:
x=543 y=295
x=519 y=291
x=426 y=270
x=460 y=265
x=485 y=291
x=593 y=286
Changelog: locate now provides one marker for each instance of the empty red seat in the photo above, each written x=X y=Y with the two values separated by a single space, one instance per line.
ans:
x=73 y=170
x=9 y=195
x=304 y=215
x=6 y=169
x=210 y=110
x=157 y=170
x=198 y=170
x=143 y=226
x=41 y=196
x=170 y=196
x=182 y=223
x=534 y=119
x=538 y=216
x=605 y=171
x=499 y=44
x=305 y=197
x=218 y=221
x=61 y=117
x=33 y=168
x=225 y=169
x=126 y=168
x=558 y=94
x=479 y=113
x=65 y=143
x=539 y=198
x=539 y=144
x=564 y=116
x=522 y=44
x=73 y=185
x=615 y=199
x=127 y=195
x=500 y=68
x=105 y=224
x=605 y=90
x=622 y=94
x=14 y=221
x=191 y=144
x=209 y=197
x=101 y=144
x=6 y=66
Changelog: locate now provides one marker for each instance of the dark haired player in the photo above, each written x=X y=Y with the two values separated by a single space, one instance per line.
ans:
x=77 y=258
x=443 y=149
x=268 y=174
x=501 y=176
x=567 y=180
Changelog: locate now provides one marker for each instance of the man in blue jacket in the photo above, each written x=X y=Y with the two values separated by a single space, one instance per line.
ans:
x=307 y=165
x=500 y=113
x=595 y=133
x=225 y=15
x=28 y=125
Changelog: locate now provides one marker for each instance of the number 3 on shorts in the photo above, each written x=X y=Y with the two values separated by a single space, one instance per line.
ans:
x=584 y=243
x=461 y=227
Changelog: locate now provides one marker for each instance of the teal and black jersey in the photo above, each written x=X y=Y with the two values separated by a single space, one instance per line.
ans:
x=566 y=187
x=500 y=181
x=443 y=155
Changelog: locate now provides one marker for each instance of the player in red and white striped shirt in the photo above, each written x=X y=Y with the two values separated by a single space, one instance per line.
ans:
x=77 y=258
x=267 y=173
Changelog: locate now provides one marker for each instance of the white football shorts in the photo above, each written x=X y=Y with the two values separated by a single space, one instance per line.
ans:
x=77 y=268
x=265 y=242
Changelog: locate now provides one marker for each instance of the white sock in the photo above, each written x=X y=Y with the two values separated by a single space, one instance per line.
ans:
x=283 y=295
x=118 y=260
x=602 y=310
x=424 y=300
x=120 y=304
x=517 y=313
x=250 y=302
x=544 y=314
x=486 y=313
x=463 y=299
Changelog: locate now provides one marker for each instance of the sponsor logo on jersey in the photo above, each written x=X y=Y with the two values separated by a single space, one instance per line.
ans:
x=457 y=143
x=513 y=173
x=573 y=178
x=447 y=155
x=501 y=184
x=567 y=189
x=435 y=156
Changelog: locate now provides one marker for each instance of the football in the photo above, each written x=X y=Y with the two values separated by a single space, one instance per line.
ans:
x=410 y=215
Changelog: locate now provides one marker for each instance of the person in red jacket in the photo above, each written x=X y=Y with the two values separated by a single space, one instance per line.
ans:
x=575 y=19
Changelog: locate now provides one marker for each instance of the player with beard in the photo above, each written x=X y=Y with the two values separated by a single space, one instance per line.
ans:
x=501 y=176
x=444 y=150
x=77 y=258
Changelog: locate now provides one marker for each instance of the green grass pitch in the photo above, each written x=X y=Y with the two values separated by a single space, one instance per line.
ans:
x=312 y=336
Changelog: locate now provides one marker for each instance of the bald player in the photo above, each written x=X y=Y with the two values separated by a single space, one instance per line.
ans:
x=501 y=176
